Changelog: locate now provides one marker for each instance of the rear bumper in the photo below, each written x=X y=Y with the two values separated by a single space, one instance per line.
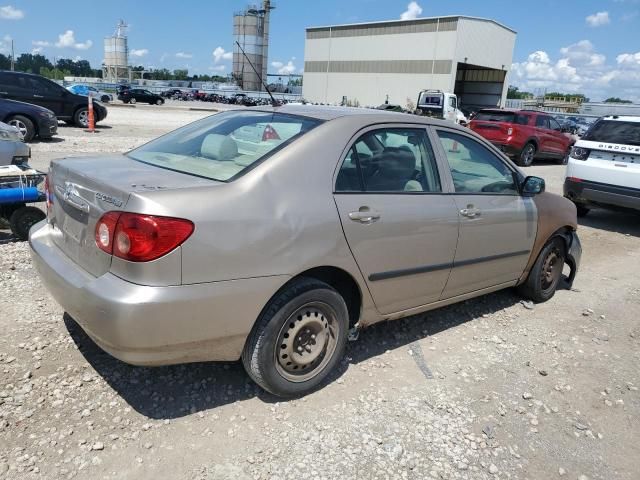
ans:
x=47 y=128
x=587 y=192
x=507 y=149
x=145 y=325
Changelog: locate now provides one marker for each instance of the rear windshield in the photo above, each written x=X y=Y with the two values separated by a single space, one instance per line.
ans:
x=614 y=131
x=506 y=117
x=430 y=100
x=222 y=146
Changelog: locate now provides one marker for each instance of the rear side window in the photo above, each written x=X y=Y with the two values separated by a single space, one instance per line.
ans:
x=542 y=121
x=390 y=160
x=614 y=131
x=221 y=147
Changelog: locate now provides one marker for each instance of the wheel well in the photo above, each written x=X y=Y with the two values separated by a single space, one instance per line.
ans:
x=33 y=121
x=533 y=141
x=344 y=283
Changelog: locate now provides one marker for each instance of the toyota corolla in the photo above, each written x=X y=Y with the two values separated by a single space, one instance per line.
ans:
x=271 y=235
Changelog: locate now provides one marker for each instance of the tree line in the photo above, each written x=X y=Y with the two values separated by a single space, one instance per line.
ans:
x=514 y=93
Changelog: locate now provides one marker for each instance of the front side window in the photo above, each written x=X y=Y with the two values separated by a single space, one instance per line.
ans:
x=554 y=125
x=390 y=160
x=222 y=146
x=474 y=168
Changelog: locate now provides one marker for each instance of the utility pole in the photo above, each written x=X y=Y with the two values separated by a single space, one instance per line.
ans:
x=13 y=57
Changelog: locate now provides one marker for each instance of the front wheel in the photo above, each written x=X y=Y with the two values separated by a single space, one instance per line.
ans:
x=25 y=126
x=105 y=99
x=298 y=339
x=81 y=117
x=528 y=153
x=23 y=219
x=132 y=100
x=545 y=275
x=159 y=101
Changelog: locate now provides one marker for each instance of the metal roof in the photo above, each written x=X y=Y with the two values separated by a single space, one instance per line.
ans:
x=415 y=20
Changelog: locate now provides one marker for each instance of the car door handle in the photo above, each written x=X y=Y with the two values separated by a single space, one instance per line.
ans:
x=470 y=212
x=364 y=216
x=38 y=96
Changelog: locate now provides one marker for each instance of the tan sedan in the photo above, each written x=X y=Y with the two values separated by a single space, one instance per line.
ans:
x=271 y=234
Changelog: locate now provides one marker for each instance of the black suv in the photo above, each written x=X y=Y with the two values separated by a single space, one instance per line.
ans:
x=67 y=106
x=134 y=95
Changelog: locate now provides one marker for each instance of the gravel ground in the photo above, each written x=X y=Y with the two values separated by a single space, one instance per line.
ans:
x=489 y=388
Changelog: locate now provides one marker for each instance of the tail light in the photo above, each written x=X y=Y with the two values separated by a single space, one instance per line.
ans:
x=579 y=153
x=140 y=238
x=270 y=134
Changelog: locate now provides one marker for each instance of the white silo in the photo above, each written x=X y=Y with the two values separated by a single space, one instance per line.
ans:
x=116 y=56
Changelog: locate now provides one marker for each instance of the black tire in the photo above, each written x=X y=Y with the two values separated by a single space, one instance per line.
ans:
x=132 y=100
x=105 y=99
x=528 y=153
x=546 y=273
x=581 y=210
x=284 y=338
x=159 y=101
x=25 y=126
x=81 y=117
x=564 y=160
x=23 y=219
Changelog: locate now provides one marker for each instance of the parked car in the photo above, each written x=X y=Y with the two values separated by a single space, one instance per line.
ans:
x=37 y=90
x=134 y=95
x=604 y=166
x=88 y=90
x=171 y=93
x=31 y=120
x=13 y=150
x=274 y=254
x=523 y=134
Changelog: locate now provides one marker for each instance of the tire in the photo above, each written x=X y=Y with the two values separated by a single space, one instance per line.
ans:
x=159 y=101
x=23 y=219
x=545 y=275
x=105 y=99
x=528 y=153
x=581 y=210
x=282 y=354
x=81 y=117
x=132 y=101
x=564 y=160
x=25 y=126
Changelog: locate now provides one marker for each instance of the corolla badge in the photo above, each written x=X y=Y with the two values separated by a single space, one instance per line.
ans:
x=108 y=199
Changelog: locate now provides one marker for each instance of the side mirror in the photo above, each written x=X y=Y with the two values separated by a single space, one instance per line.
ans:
x=532 y=186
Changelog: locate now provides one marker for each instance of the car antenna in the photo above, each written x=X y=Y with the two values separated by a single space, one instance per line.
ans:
x=273 y=100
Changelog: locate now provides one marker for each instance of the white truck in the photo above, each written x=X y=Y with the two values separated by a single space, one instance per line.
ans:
x=439 y=104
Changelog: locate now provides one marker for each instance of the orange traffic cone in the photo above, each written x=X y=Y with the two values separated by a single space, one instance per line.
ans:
x=91 y=122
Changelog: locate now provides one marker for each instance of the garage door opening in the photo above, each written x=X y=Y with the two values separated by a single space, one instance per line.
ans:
x=479 y=87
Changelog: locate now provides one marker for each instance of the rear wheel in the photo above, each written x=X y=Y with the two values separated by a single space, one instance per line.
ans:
x=105 y=98
x=528 y=153
x=298 y=339
x=159 y=101
x=25 y=126
x=23 y=219
x=545 y=275
x=132 y=100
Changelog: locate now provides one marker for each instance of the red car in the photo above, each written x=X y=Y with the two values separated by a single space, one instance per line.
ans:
x=524 y=134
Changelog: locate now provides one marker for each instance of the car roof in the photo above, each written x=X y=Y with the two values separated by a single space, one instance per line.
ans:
x=327 y=112
x=622 y=118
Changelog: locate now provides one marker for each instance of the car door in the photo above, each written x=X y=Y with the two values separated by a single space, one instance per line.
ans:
x=401 y=227
x=497 y=224
x=48 y=94
x=545 y=140
x=560 y=140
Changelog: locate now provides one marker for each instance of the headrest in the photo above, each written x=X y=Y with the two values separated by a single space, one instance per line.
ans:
x=397 y=163
x=219 y=147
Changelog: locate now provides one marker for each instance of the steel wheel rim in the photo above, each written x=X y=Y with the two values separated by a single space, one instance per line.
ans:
x=551 y=269
x=528 y=155
x=20 y=126
x=306 y=342
x=133 y=100
x=83 y=118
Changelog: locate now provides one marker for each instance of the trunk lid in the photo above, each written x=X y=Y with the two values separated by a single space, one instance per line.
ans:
x=494 y=124
x=84 y=188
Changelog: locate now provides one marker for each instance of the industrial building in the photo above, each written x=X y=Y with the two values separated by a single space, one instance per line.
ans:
x=116 y=56
x=251 y=31
x=368 y=63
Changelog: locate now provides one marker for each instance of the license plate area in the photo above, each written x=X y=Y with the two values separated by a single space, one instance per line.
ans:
x=615 y=157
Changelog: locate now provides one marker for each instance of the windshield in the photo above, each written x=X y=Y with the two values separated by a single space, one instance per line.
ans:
x=222 y=146
x=614 y=131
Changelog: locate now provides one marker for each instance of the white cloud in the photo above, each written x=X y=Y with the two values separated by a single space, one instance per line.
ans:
x=598 y=19
x=140 y=52
x=413 y=11
x=5 y=44
x=580 y=69
x=36 y=50
x=218 y=68
x=68 y=40
x=287 y=69
x=77 y=58
x=184 y=55
x=220 y=54
x=8 y=12
x=41 y=43
x=277 y=64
